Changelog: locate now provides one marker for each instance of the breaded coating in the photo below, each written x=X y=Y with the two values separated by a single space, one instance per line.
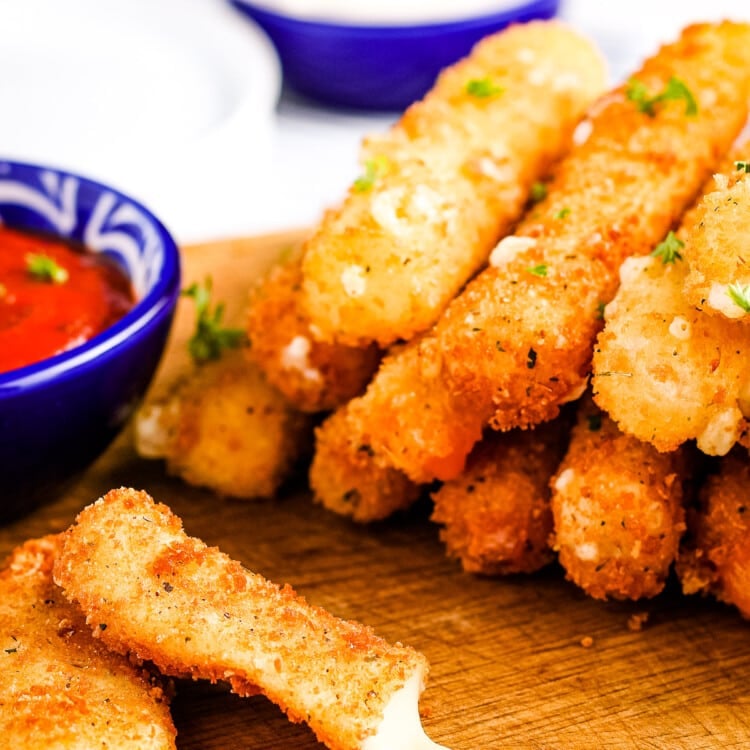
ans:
x=715 y=557
x=60 y=688
x=347 y=478
x=618 y=510
x=496 y=515
x=717 y=245
x=665 y=371
x=312 y=375
x=442 y=186
x=192 y=611
x=224 y=427
x=522 y=333
x=517 y=342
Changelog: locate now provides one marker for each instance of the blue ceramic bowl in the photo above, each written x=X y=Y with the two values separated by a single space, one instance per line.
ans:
x=57 y=415
x=376 y=67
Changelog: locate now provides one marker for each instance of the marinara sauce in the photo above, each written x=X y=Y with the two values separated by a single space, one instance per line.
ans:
x=53 y=297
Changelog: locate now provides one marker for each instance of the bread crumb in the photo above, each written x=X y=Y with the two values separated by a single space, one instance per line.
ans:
x=636 y=621
x=587 y=641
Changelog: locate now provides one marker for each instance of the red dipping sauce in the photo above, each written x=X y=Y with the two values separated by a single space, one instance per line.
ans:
x=40 y=316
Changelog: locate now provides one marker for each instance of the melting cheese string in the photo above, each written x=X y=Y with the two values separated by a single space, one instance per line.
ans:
x=401 y=728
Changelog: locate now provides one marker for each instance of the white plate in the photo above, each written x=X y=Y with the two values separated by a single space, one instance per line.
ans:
x=169 y=100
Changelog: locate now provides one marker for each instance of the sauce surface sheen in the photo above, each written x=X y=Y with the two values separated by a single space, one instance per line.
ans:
x=40 y=318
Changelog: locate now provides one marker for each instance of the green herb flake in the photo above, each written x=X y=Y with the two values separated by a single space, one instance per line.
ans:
x=600 y=310
x=11 y=650
x=742 y=166
x=210 y=338
x=562 y=213
x=538 y=192
x=740 y=295
x=595 y=422
x=668 y=249
x=675 y=90
x=483 y=88
x=374 y=168
x=539 y=270
x=44 y=268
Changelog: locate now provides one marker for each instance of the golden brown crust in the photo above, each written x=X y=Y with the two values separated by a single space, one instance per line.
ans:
x=59 y=687
x=717 y=241
x=455 y=174
x=347 y=478
x=517 y=342
x=689 y=382
x=496 y=515
x=313 y=375
x=193 y=611
x=618 y=512
x=715 y=558
x=616 y=196
x=224 y=427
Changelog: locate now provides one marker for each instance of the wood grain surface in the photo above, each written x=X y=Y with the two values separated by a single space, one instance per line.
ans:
x=508 y=666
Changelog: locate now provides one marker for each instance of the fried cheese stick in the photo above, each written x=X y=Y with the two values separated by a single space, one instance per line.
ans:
x=496 y=515
x=718 y=250
x=618 y=510
x=224 y=427
x=445 y=183
x=715 y=558
x=347 y=478
x=60 y=688
x=313 y=375
x=193 y=611
x=517 y=342
x=665 y=371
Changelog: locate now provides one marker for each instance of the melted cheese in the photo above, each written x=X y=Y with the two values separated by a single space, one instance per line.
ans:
x=400 y=728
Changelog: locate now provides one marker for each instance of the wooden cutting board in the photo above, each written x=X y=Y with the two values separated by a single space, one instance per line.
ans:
x=508 y=667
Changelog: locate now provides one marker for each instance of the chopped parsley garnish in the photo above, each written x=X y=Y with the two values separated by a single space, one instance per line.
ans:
x=742 y=166
x=668 y=249
x=538 y=192
x=210 y=338
x=44 y=268
x=740 y=295
x=539 y=270
x=374 y=168
x=483 y=88
x=675 y=90
x=562 y=213
x=600 y=310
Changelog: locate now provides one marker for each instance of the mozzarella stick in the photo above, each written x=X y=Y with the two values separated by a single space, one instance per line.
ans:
x=149 y=589
x=667 y=372
x=445 y=183
x=496 y=515
x=59 y=686
x=222 y=426
x=313 y=375
x=717 y=245
x=517 y=343
x=347 y=478
x=617 y=505
x=715 y=558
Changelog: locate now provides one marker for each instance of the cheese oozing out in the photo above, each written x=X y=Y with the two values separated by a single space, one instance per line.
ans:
x=400 y=727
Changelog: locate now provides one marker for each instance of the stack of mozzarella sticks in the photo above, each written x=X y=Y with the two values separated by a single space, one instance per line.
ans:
x=515 y=233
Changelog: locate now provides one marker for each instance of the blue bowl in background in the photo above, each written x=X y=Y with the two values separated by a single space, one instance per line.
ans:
x=376 y=67
x=59 y=414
